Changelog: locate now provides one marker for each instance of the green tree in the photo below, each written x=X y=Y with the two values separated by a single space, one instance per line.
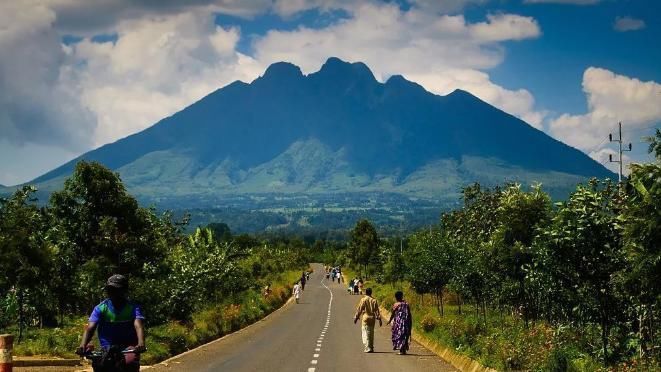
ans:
x=101 y=230
x=364 y=244
x=394 y=268
x=583 y=253
x=641 y=218
x=203 y=270
x=25 y=255
x=520 y=215
x=655 y=144
x=221 y=231
x=431 y=262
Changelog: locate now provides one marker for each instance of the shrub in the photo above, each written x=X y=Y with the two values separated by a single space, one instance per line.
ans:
x=428 y=323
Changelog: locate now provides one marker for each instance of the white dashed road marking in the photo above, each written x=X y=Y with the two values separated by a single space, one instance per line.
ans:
x=323 y=331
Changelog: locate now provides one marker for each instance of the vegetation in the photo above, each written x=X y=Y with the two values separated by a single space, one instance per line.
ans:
x=520 y=283
x=192 y=287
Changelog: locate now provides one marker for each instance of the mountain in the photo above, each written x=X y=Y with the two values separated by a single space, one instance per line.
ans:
x=337 y=131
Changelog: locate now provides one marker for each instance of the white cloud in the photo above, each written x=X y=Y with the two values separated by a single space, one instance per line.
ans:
x=516 y=102
x=448 y=51
x=158 y=66
x=37 y=103
x=502 y=27
x=168 y=55
x=624 y=24
x=611 y=98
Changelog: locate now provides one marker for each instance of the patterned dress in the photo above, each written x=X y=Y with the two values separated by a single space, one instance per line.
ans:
x=401 y=326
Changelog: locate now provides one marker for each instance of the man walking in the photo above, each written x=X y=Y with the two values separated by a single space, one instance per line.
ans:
x=368 y=307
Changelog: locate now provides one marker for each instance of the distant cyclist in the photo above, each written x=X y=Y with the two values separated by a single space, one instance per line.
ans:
x=120 y=323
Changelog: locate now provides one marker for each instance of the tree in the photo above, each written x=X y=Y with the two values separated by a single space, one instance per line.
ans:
x=655 y=144
x=641 y=218
x=520 y=215
x=220 y=231
x=394 y=268
x=583 y=253
x=202 y=270
x=431 y=261
x=25 y=255
x=101 y=230
x=364 y=244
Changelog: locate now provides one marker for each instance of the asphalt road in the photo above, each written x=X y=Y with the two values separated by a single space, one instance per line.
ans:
x=317 y=334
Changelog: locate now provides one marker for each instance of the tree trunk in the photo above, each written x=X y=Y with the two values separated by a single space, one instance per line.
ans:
x=21 y=315
x=460 y=301
x=442 y=309
x=484 y=312
x=604 y=341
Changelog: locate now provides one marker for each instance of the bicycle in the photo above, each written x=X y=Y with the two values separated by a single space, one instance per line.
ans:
x=114 y=359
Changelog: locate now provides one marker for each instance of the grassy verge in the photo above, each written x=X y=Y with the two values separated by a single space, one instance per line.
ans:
x=172 y=338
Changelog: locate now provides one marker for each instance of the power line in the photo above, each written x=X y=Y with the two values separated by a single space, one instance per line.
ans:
x=598 y=146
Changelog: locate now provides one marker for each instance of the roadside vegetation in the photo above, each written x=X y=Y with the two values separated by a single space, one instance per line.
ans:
x=520 y=283
x=193 y=288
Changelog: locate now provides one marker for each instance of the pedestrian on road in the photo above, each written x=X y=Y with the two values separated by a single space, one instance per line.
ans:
x=303 y=281
x=360 y=286
x=297 y=291
x=402 y=323
x=368 y=308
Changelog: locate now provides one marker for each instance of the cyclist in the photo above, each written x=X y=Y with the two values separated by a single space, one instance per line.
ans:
x=119 y=321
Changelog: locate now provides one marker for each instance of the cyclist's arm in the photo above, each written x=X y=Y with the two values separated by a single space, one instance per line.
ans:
x=87 y=336
x=140 y=332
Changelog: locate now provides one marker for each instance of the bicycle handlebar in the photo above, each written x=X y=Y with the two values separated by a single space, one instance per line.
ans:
x=95 y=354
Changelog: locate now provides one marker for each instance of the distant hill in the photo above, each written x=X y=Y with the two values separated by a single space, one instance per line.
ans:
x=333 y=132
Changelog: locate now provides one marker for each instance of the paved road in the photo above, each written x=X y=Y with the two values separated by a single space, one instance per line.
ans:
x=316 y=335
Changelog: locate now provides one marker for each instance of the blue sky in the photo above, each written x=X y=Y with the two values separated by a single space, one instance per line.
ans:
x=78 y=74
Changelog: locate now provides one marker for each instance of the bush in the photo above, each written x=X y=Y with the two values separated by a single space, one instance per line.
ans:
x=558 y=361
x=428 y=323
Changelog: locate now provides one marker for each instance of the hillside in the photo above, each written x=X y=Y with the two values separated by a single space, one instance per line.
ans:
x=333 y=132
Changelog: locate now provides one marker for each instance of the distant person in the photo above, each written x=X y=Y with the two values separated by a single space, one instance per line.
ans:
x=307 y=276
x=333 y=275
x=355 y=286
x=267 y=290
x=303 y=281
x=368 y=309
x=119 y=323
x=402 y=323
x=297 y=291
x=360 y=286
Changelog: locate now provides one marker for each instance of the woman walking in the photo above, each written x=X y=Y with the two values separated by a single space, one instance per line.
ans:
x=402 y=322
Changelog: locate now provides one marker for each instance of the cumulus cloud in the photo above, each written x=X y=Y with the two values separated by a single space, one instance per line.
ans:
x=612 y=98
x=168 y=54
x=156 y=67
x=624 y=24
x=38 y=100
x=449 y=51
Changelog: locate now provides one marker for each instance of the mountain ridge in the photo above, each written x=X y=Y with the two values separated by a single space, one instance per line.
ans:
x=345 y=129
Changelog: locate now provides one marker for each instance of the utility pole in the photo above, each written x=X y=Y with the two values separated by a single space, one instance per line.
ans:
x=620 y=159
